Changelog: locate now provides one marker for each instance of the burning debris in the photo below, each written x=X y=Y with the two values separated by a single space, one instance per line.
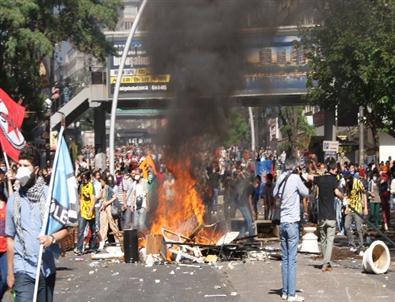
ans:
x=172 y=246
x=179 y=208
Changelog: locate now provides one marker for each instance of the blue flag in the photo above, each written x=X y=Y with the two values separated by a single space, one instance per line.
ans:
x=64 y=202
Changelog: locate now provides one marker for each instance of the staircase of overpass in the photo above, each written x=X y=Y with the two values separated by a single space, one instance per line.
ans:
x=95 y=96
x=89 y=97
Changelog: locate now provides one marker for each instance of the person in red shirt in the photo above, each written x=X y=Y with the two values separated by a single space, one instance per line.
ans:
x=3 y=238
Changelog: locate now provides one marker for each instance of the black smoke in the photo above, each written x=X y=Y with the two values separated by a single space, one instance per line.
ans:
x=199 y=43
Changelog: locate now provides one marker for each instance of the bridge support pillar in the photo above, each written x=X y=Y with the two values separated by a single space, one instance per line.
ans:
x=330 y=125
x=99 y=120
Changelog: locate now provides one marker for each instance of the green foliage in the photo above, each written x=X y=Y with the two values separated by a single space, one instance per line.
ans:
x=295 y=129
x=239 y=129
x=29 y=30
x=351 y=55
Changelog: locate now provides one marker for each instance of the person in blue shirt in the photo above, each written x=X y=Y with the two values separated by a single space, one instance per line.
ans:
x=24 y=218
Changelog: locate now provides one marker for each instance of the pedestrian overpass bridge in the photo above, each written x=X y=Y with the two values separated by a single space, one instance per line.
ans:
x=96 y=97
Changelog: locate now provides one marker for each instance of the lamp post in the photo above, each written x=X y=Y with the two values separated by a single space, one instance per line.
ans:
x=118 y=85
x=361 y=134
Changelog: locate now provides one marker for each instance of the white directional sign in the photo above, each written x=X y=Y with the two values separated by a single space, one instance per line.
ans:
x=330 y=146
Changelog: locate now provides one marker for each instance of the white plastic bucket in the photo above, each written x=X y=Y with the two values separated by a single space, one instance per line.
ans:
x=377 y=258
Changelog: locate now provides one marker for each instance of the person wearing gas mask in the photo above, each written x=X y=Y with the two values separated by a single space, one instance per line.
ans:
x=139 y=201
x=24 y=218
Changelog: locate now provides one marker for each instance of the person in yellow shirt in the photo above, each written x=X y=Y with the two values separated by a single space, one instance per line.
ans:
x=356 y=203
x=87 y=214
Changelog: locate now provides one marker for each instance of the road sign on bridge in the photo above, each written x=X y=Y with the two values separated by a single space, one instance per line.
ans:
x=276 y=66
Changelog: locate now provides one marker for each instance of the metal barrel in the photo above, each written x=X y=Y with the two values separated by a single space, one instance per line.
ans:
x=131 y=248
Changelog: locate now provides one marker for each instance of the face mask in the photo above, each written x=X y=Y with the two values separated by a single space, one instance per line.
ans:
x=150 y=178
x=23 y=175
x=374 y=178
x=137 y=177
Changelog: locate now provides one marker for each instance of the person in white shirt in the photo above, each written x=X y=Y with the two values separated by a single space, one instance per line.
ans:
x=100 y=160
x=392 y=190
x=98 y=191
x=139 y=201
x=128 y=183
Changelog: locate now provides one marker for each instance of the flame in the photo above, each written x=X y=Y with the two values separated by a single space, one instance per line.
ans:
x=184 y=211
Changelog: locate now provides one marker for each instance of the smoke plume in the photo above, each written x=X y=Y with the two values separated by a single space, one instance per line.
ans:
x=199 y=43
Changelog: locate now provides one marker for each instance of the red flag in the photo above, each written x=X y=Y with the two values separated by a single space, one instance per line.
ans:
x=11 y=118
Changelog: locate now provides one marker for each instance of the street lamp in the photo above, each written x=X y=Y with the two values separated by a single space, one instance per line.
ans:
x=118 y=85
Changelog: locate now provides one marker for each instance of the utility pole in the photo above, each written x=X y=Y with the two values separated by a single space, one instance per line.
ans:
x=252 y=129
x=361 y=138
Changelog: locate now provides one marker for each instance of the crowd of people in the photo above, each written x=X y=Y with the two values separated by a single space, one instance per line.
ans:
x=341 y=196
x=245 y=180
x=336 y=194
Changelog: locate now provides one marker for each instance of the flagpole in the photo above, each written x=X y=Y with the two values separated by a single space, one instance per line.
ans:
x=7 y=164
x=46 y=215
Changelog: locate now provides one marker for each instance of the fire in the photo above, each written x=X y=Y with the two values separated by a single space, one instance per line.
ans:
x=180 y=208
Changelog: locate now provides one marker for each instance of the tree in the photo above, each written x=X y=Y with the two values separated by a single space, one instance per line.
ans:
x=29 y=30
x=295 y=128
x=239 y=129
x=351 y=55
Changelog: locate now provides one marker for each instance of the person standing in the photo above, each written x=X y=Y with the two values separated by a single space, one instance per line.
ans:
x=100 y=160
x=24 y=221
x=87 y=214
x=343 y=160
x=3 y=238
x=128 y=183
x=127 y=210
x=392 y=187
x=268 y=197
x=385 y=200
x=327 y=191
x=374 y=198
x=288 y=189
x=106 y=212
x=98 y=191
x=140 y=202
x=256 y=195
x=243 y=190
x=356 y=202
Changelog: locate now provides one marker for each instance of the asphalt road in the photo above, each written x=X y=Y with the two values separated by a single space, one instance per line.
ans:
x=81 y=279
